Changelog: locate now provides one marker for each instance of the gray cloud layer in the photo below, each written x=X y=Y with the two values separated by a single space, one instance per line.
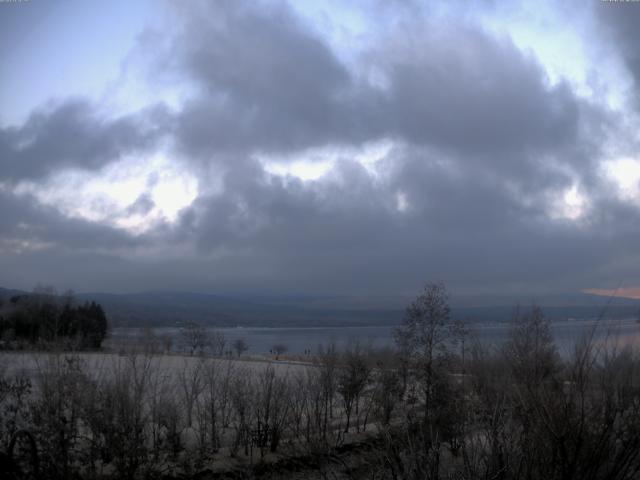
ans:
x=484 y=148
x=73 y=134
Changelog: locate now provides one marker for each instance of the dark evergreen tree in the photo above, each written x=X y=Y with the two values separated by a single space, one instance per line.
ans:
x=47 y=317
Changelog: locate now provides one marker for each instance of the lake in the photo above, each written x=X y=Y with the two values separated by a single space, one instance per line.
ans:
x=298 y=339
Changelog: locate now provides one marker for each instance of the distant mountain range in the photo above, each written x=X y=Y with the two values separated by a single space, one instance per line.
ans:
x=175 y=308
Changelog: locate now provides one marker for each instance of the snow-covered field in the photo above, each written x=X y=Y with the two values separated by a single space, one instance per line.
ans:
x=95 y=363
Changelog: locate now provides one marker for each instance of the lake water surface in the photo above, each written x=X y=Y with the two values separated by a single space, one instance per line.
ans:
x=299 y=339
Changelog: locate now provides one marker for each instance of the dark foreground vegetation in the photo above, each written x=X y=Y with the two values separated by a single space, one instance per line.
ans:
x=44 y=319
x=436 y=407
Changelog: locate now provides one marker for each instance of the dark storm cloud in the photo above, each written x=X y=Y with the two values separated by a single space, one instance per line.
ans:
x=263 y=211
x=265 y=80
x=345 y=231
x=484 y=148
x=473 y=99
x=490 y=148
x=268 y=83
x=25 y=221
x=74 y=135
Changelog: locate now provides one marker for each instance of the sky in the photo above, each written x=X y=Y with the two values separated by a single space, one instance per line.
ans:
x=356 y=147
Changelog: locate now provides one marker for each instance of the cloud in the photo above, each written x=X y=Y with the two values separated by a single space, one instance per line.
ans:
x=620 y=20
x=626 y=292
x=270 y=85
x=460 y=88
x=485 y=147
x=265 y=81
x=345 y=231
x=26 y=224
x=73 y=134
x=483 y=151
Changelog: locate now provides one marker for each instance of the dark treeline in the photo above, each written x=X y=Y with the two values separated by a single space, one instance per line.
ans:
x=44 y=317
x=438 y=406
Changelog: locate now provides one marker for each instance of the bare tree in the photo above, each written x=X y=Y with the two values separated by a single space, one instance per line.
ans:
x=352 y=379
x=213 y=404
x=387 y=393
x=272 y=405
x=241 y=395
x=218 y=342
x=191 y=385
x=240 y=346
x=15 y=392
x=323 y=389
x=279 y=349
x=424 y=337
x=164 y=415
x=530 y=350
x=195 y=337
x=117 y=416
x=299 y=402
x=56 y=412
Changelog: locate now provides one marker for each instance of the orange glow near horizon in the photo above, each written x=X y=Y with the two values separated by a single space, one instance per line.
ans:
x=626 y=292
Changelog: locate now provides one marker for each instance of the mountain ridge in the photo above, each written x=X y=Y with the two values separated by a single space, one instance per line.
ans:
x=174 y=308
